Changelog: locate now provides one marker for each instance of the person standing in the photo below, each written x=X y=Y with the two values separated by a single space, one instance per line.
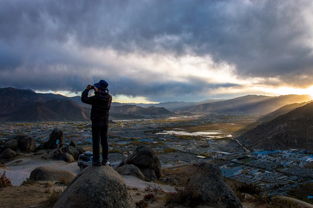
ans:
x=100 y=107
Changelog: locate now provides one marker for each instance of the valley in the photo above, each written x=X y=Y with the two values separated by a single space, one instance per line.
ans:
x=178 y=141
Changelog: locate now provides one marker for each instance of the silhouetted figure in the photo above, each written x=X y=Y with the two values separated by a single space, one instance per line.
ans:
x=101 y=103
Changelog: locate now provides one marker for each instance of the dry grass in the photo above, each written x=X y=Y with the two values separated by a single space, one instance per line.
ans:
x=184 y=198
x=4 y=181
x=169 y=150
x=53 y=198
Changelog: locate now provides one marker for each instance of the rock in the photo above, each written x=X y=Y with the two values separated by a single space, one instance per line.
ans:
x=130 y=169
x=75 y=152
x=66 y=153
x=96 y=187
x=60 y=155
x=51 y=174
x=55 y=139
x=8 y=154
x=208 y=187
x=56 y=154
x=72 y=143
x=285 y=201
x=68 y=158
x=146 y=160
x=26 y=143
x=149 y=173
x=12 y=144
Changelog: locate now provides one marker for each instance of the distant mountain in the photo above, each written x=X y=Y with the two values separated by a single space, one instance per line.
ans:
x=27 y=105
x=52 y=110
x=250 y=104
x=172 y=106
x=291 y=130
x=133 y=111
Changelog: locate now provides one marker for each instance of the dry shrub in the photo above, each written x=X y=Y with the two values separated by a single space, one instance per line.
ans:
x=53 y=198
x=149 y=197
x=141 y=204
x=183 y=197
x=241 y=189
x=249 y=189
x=302 y=192
x=4 y=181
x=28 y=181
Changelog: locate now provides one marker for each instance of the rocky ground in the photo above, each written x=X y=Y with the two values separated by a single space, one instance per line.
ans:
x=177 y=142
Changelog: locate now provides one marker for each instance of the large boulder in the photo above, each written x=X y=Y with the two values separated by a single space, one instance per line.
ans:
x=7 y=154
x=96 y=187
x=55 y=139
x=147 y=161
x=26 y=143
x=51 y=174
x=206 y=185
x=130 y=169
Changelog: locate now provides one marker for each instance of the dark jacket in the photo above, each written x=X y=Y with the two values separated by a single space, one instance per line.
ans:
x=100 y=103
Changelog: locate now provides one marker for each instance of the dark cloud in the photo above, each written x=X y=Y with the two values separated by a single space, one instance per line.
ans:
x=262 y=38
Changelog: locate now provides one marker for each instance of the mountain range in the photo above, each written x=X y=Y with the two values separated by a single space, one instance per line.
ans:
x=27 y=105
x=249 y=105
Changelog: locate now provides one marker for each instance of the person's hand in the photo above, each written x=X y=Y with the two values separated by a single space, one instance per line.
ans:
x=89 y=87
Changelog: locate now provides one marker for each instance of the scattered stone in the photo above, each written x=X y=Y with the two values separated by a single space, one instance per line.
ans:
x=75 y=152
x=96 y=187
x=130 y=169
x=55 y=139
x=68 y=157
x=207 y=185
x=147 y=161
x=8 y=154
x=26 y=143
x=57 y=154
x=51 y=174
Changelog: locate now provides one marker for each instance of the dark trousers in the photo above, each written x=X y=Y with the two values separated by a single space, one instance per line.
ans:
x=100 y=135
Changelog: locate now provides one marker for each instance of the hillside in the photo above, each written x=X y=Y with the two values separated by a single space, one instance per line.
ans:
x=13 y=99
x=250 y=104
x=291 y=130
x=268 y=117
x=281 y=111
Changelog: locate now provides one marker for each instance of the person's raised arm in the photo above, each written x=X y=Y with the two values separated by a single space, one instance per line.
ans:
x=109 y=102
x=85 y=98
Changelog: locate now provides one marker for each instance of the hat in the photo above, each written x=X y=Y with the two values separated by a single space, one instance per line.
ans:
x=101 y=84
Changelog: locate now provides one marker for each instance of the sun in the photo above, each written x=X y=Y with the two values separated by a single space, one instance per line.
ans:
x=309 y=91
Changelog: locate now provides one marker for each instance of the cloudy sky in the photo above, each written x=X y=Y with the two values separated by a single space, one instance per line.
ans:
x=158 y=50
